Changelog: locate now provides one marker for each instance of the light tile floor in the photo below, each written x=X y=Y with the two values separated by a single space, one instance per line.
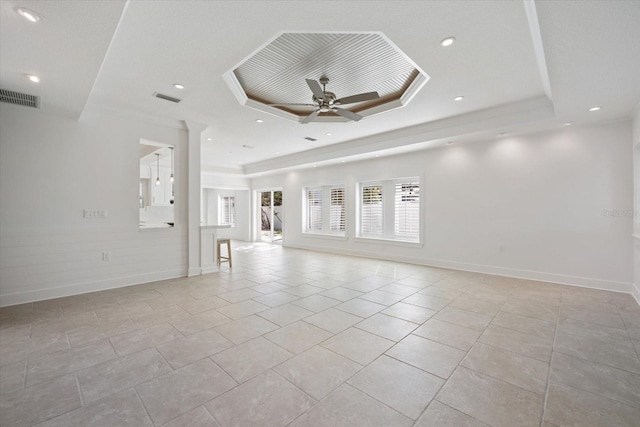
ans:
x=298 y=338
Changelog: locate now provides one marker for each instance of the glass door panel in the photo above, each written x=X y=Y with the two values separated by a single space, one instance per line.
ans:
x=271 y=216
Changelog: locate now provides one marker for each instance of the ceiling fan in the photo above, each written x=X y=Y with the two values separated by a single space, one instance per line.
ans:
x=328 y=102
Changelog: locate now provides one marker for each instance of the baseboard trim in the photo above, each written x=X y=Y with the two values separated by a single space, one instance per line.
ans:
x=194 y=271
x=82 y=288
x=209 y=270
x=560 y=279
x=636 y=292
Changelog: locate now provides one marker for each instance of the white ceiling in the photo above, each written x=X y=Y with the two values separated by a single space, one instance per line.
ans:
x=519 y=64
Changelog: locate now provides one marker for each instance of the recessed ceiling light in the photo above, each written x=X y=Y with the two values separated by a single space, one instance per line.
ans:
x=448 y=41
x=178 y=86
x=33 y=78
x=341 y=161
x=314 y=166
x=259 y=121
x=28 y=14
x=328 y=134
x=567 y=124
x=277 y=152
x=596 y=108
x=209 y=139
x=458 y=98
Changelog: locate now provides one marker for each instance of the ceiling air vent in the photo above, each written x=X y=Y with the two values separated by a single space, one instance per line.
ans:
x=166 y=97
x=17 y=98
x=308 y=138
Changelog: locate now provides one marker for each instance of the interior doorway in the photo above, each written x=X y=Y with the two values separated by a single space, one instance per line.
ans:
x=271 y=216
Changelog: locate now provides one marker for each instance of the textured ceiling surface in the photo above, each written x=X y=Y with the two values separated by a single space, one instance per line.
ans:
x=353 y=62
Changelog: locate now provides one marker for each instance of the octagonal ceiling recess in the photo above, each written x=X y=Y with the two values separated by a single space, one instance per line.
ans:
x=354 y=63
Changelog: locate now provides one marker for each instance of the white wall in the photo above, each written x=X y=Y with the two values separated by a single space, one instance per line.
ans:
x=242 y=229
x=542 y=196
x=51 y=168
x=215 y=185
x=636 y=186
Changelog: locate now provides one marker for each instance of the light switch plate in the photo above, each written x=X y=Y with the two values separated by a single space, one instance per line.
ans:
x=94 y=213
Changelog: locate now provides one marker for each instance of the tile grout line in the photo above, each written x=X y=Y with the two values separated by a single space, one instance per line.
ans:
x=135 y=390
x=626 y=327
x=553 y=345
x=463 y=359
x=75 y=374
x=446 y=380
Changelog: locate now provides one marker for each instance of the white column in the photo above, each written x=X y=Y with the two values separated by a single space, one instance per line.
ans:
x=194 y=194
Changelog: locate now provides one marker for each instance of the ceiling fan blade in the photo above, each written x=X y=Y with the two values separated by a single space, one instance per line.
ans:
x=346 y=113
x=358 y=98
x=284 y=104
x=310 y=117
x=316 y=89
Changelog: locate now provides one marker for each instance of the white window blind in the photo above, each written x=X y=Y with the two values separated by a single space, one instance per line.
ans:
x=371 y=210
x=325 y=211
x=228 y=210
x=407 y=210
x=337 y=211
x=390 y=210
x=314 y=209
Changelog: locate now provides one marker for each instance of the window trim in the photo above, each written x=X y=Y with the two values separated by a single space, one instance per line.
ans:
x=361 y=188
x=221 y=210
x=311 y=222
x=388 y=201
x=325 y=215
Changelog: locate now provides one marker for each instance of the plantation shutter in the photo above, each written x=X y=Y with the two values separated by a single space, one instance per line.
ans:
x=407 y=210
x=228 y=210
x=232 y=211
x=371 y=210
x=314 y=209
x=337 y=210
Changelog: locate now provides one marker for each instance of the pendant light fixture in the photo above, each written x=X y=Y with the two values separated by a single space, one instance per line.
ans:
x=171 y=148
x=158 y=175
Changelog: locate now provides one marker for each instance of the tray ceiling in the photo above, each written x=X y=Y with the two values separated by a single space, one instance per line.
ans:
x=354 y=62
x=518 y=65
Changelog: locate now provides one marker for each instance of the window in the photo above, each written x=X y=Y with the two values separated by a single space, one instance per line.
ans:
x=227 y=210
x=390 y=209
x=336 y=213
x=314 y=209
x=407 y=210
x=371 y=210
x=324 y=208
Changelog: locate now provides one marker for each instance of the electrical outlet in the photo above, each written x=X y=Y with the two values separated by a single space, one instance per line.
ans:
x=106 y=255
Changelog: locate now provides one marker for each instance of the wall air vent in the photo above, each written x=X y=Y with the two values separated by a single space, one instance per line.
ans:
x=166 y=97
x=308 y=138
x=17 y=98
